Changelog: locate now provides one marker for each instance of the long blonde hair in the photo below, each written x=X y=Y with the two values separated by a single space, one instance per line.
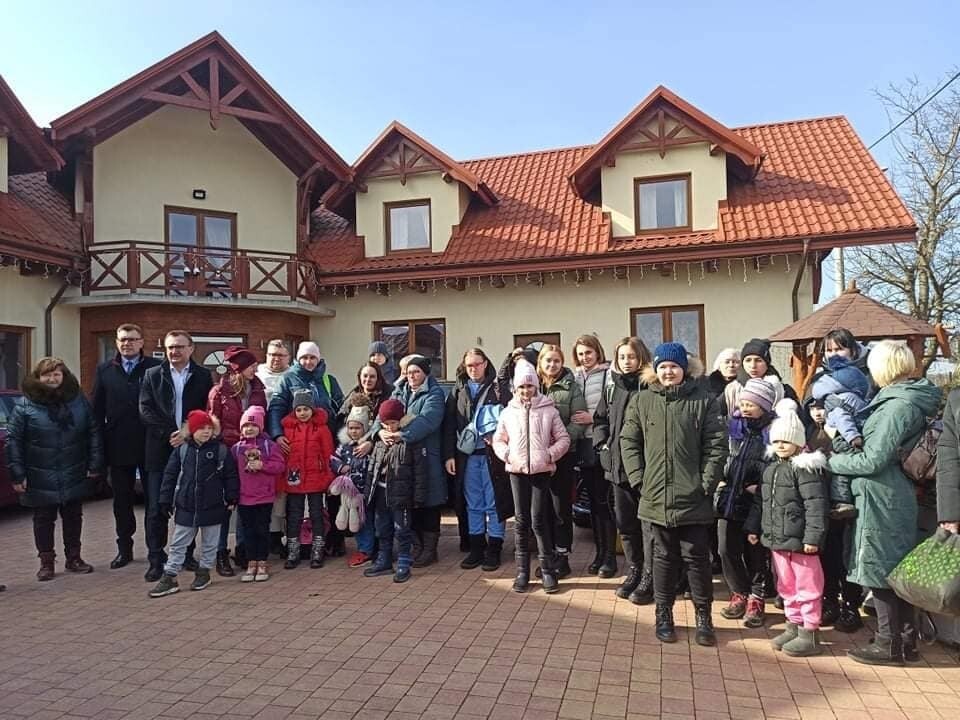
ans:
x=544 y=380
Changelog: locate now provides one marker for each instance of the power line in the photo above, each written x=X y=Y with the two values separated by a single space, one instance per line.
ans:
x=917 y=109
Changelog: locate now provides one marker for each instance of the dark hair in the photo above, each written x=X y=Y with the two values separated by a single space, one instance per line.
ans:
x=179 y=333
x=131 y=327
x=638 y=346
x=381 y=380
x=462 y=367
x=842 y=337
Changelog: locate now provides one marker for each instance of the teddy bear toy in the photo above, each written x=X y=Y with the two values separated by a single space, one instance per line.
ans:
x=351 y=513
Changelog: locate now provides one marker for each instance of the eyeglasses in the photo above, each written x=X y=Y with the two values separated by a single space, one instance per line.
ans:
x=177 y=347
x=283 y=355
x=129 y=339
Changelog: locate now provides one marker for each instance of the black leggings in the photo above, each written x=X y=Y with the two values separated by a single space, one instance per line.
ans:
x=295 y=506
x=531 y=506
x=256 y=529
x=635 y=535
x=745 y=566
x=561 y=493
x=835 y=581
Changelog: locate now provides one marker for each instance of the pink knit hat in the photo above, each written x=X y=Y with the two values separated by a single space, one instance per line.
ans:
x=525 y=374
x=254 y=415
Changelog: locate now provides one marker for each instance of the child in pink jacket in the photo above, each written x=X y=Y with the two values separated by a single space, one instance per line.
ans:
x=530 y=439
x=260 y=462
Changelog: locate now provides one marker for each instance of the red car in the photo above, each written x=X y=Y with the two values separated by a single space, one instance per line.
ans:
x=7 y=400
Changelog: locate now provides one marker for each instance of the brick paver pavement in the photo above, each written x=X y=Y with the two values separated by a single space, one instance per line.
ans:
x=449 y=644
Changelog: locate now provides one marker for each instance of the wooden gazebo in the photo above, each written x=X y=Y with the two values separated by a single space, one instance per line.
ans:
x=866 y=318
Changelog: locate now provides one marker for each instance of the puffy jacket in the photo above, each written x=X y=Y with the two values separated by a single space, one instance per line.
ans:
x=258 y=487
x=298 y=377
x=791 y=508
x=345 y=461
x=228 y=407
x=530 y=439
x=311 y=446
x=404 y=468
x=568 y=398
x=199 y=482
x=841 y=403
x=53 y=441
x=608 y=422
x=592 y=383
x=673 y=445
x=948 y=462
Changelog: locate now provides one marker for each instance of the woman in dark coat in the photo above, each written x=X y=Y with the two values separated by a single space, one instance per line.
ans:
x=54 y=450
x=371 y=389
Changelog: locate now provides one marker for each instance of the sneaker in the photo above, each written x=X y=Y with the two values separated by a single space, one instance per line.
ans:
x=755 y=614
x=250 y=574
x=201 y=579
x=167 y=586
x=358 y=559
x=736 y=608
x=263 y=572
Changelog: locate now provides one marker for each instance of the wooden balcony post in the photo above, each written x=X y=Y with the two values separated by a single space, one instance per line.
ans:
x=133 y=267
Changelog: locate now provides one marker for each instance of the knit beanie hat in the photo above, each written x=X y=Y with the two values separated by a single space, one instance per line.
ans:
x=253 y=415
x=670 y=352
x=239 y=358
x=787 y=425
x=525 y=374
x=302 y=397
x=378 y=346
x=421 y=362
x=852 y=378
x=760 y=393
x=391 y=409
x=359 y=414
x=197 y=419
x=308 y=348
x=758 y=347
x=723 y=356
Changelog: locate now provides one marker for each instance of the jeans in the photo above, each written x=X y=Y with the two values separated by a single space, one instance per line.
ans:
x=674 y=546
x=482 y=515
x=561 y=491
x=256 y=524
x=122 y=481
x=45 y=519
x=532 y=504
x=390 y=522
x=800 y=584
x=367 y=534
x=635 y=535
x=295 y=507
x=239 y=531
x=834 y=568
x=184 y=535
x=154 y=522
x=744 y=565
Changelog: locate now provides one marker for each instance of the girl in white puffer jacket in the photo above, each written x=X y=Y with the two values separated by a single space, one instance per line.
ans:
x=530 y=439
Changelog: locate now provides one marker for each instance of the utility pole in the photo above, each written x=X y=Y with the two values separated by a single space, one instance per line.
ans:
x=839 y=272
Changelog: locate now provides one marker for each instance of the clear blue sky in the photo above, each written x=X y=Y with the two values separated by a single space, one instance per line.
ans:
x=489 y=78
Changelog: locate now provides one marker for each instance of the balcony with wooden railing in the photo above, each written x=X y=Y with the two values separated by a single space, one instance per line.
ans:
x=146 y=269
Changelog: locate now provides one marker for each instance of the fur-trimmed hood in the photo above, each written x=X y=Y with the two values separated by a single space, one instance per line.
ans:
x=648 y=376
x=814 y=461
x=41 y=394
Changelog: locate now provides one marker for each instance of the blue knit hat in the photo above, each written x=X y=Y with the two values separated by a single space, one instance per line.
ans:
x=852 y=378
x=670 y=352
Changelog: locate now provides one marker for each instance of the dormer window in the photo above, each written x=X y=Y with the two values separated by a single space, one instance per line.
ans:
x=407 y=225
x=662 y=203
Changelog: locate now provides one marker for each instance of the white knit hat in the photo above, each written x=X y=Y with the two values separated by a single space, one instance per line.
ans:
x=787 y=425
x=308 y=348
x=360 y=414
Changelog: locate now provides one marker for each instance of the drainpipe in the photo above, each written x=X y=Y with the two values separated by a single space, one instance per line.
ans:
x=796 y=284
x=48 y=318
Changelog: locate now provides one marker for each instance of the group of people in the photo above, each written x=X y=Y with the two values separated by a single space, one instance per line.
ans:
x=691 y=471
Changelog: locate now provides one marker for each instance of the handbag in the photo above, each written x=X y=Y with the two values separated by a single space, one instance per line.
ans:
x=919 y=463
x=929 y=576
x=468 y=439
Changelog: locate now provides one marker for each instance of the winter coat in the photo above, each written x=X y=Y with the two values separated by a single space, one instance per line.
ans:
x=568 y=397
x=296 y=378
x=731 y=393
x=158 y=405
x=228 y=407
x=859 y=361
x=311 y=446
x=200 y=487
x=405 y=470
x=345 y=461
x=530 y=438
x=791 y=508
x=592 y=384
x=717 y=383
x=673 y=445
x=53 y=442
x=841 y=403
x=948 y=462
x=459 y=412
x=608 y=423
x=258 y=487
x=425 y=406
x=886 y=526
x=116 y=406
x=746 y=461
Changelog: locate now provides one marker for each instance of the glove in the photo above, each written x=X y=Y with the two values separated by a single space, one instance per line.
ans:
x=166 y=509
x=857 y=442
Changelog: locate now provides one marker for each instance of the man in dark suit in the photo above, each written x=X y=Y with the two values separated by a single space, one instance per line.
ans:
x=116 y=406
x=169 y=392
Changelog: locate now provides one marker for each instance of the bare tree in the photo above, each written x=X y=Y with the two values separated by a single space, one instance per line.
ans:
x=921 y=278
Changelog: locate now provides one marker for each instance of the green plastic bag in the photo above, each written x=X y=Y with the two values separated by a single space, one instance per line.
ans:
x=929 y=576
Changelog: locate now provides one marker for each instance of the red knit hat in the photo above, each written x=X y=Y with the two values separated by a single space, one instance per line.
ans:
x=391 y=410
x=197 y=419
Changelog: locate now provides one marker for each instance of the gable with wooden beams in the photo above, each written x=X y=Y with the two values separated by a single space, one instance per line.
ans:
x=208 y=75
x=664 y=120
x=27 y=148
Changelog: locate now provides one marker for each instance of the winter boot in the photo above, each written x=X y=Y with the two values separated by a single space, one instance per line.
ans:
x=643 y=593
x=805 y=644
x=630 y=582
x=830 y=612
x=522 y=581
x=705 y=635
x=316 y=552
x=416 y=548
x=167 y=586
x=561 y=565
x=404 y=561
x=224 y=568
x=491 y=557
x=46 y=571
x=882 y=651
x=736 y=608
x=608 y=539
x=293 y=554
x=549 y=575
x=608 y=568
x=790 y=631
x=201 y=579
x=383 y=565
x=665 y=630
x=478 y=544
x=75 y=564
x=594 y=567
x=429 y=555
x=755 y=613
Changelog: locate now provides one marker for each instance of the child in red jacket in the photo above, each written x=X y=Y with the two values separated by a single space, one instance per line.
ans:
x=308 y=474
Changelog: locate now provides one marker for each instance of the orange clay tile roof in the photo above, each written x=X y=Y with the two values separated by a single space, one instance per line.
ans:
x=818 y=183
x=36 y=222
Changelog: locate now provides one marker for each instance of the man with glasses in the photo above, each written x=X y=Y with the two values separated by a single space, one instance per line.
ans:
x=169 y=392
x=116 y=407
x=278 y=360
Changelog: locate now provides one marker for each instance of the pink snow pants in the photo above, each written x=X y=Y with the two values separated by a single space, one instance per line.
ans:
x=800 y=584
